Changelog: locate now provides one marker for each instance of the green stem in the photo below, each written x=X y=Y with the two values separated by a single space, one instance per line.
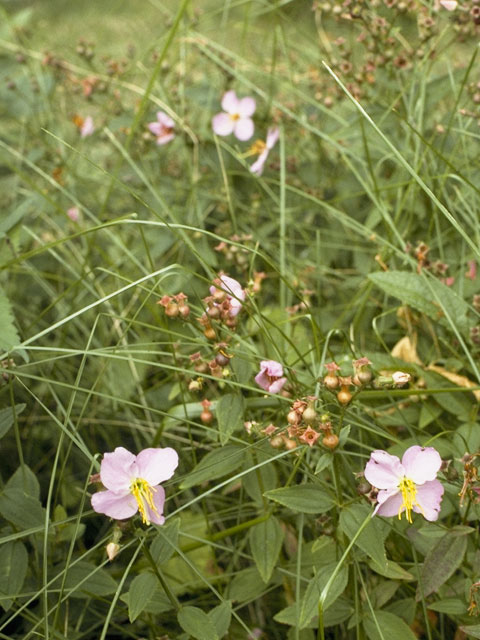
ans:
x=220 y=535
x=295 y=467
x=156 y=570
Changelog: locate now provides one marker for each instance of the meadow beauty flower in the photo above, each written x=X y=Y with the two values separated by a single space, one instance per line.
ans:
x=133 y=483
x=263 y=149
x=270 y=377
x=234 y=291
x=163 y=128
x=409 y=485
x=84 y=125
x=235 y=117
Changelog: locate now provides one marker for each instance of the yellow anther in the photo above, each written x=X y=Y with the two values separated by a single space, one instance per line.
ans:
x=143 y=494
x=408 y=490
x=234 y=116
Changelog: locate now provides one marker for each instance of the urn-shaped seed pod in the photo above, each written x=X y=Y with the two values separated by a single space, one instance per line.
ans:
x=222 y=359
x=330 y=441
x=309 y=415
x=277 y=442
x=344 y=396
x=206 y=416
x=213 y=312
x=330 y=381
x=292 y=417
x=364 y=376
x=172 y=310
x=209 y=333
x=184 y=310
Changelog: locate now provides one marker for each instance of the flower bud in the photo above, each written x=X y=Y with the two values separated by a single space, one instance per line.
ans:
x=399 y=378
x=112 y=550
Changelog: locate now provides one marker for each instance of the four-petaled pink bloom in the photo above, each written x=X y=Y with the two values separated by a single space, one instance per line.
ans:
x=264 y=148
x=409 y=485
x=133 y=483
x=270 y=377
x=163 y=128
x=87 y=127
x=234 y=291
x=236 y=117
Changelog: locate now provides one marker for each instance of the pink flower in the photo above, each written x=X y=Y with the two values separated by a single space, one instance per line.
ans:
x=73 y=213
x=87 y=127
x=163 y=128
x=449 y=5
x=264 y=148
x=409 y=485
x=472 y=270
x=133 y=483
x=270 y=377
x=235 y=117
x=235 y=293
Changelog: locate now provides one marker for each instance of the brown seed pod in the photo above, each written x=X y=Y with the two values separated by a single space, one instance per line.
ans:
x=209 y=333
x=344 y=396
x=172 y=310
x=331 y=382
x=277 y=442
x=364 y=376
x=184 y=310
x=206 y=416
x=222 y=360
x=309 y=415
x=330 y=441
x=213 y=312
x=292 y=417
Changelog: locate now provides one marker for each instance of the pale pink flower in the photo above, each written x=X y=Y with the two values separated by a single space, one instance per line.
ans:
x=472 y=270
x=309 y=436
x=449 y=5
x=87 y=127
x=400 y=378
x=234 y=291
x=235 y=117
x=409 y=485
x=270 y=377
x=163 y=128
x=133 y=483
x=73 y=213
x=264 y=148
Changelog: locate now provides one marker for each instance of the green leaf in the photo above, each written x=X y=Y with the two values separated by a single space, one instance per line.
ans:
x=441 y=562
x=23 y=511
x=7 y=417
x=217 y=463
x=324 y=461
x=473 y=631
x=427 y=295
x=372 y=537
x=305 y=498
x=13 y=569
x=24 y=480
x=221 y=617
x=342 y=610
x=392 y=627
x=451 y=606
x=266 y=539
x=309 y=608
x=229 y=411
x=140 y=593
x=391 y=570
x=8 y=334
x=195 y=622
x=247 y=585
x=85 y=579
x=160 y=548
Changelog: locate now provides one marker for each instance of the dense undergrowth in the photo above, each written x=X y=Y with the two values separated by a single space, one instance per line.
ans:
x=274 y=327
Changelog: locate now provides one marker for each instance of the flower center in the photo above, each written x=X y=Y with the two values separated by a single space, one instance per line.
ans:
x=258 y=147
x=143 y=494
x=408 y=490
x=234 y=116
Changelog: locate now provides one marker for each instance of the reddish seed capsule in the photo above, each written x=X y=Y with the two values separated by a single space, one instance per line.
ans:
x=171 y=310
x=330 y=441
x=222 y=360
x=206 y=416
x=184 y=310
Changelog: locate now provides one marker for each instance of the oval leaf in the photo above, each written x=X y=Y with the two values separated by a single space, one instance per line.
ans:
x=140 y=593
x=217 y=463
x=440 y=563
x=13 y=569
x=393 y=627
x=229 y=415
x=195 y=622
x=266 y=539
x=305 y=498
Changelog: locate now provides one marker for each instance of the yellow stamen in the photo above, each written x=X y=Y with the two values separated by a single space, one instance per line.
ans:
x=143 y=494
x=234 y=116
x=409 y=492
x=256 y=149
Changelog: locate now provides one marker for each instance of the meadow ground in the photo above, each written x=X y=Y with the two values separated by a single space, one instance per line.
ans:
x=239 y=315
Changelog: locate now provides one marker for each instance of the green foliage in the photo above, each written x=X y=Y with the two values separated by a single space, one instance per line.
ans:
x=266 y=540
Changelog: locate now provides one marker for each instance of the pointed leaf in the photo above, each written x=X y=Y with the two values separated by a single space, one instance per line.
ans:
x=13 y=569
x=392 y=627
x=266 y=539
x=7 y=416
x=221 y=617
x=441 y=562
x=195 y=622
x=305 y=498
x=21 y=510
x=229 y=412
x=8 y=335
x=140 y=593
x=309 y=607
x=217 y=463
x=372 y=537
x=160 y=548
x=25 y=480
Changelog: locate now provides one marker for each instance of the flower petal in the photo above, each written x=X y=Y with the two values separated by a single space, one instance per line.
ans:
x=421 y=463
x=257 y=166
x=429 y=496
x=262 y=380
x=165 y=137
x=246 y=107
x=118 y=469
x=156 y=128
x=165 y=120
x=156 y=465
x=272 y=367
x=389 y=503
x=233 y=287
x=277 y=385
x=383 y=470
x=272 y=137
x=158 y=500
x=222 y=124
x=115 y=505
x=243 y=128
x=230 y=102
